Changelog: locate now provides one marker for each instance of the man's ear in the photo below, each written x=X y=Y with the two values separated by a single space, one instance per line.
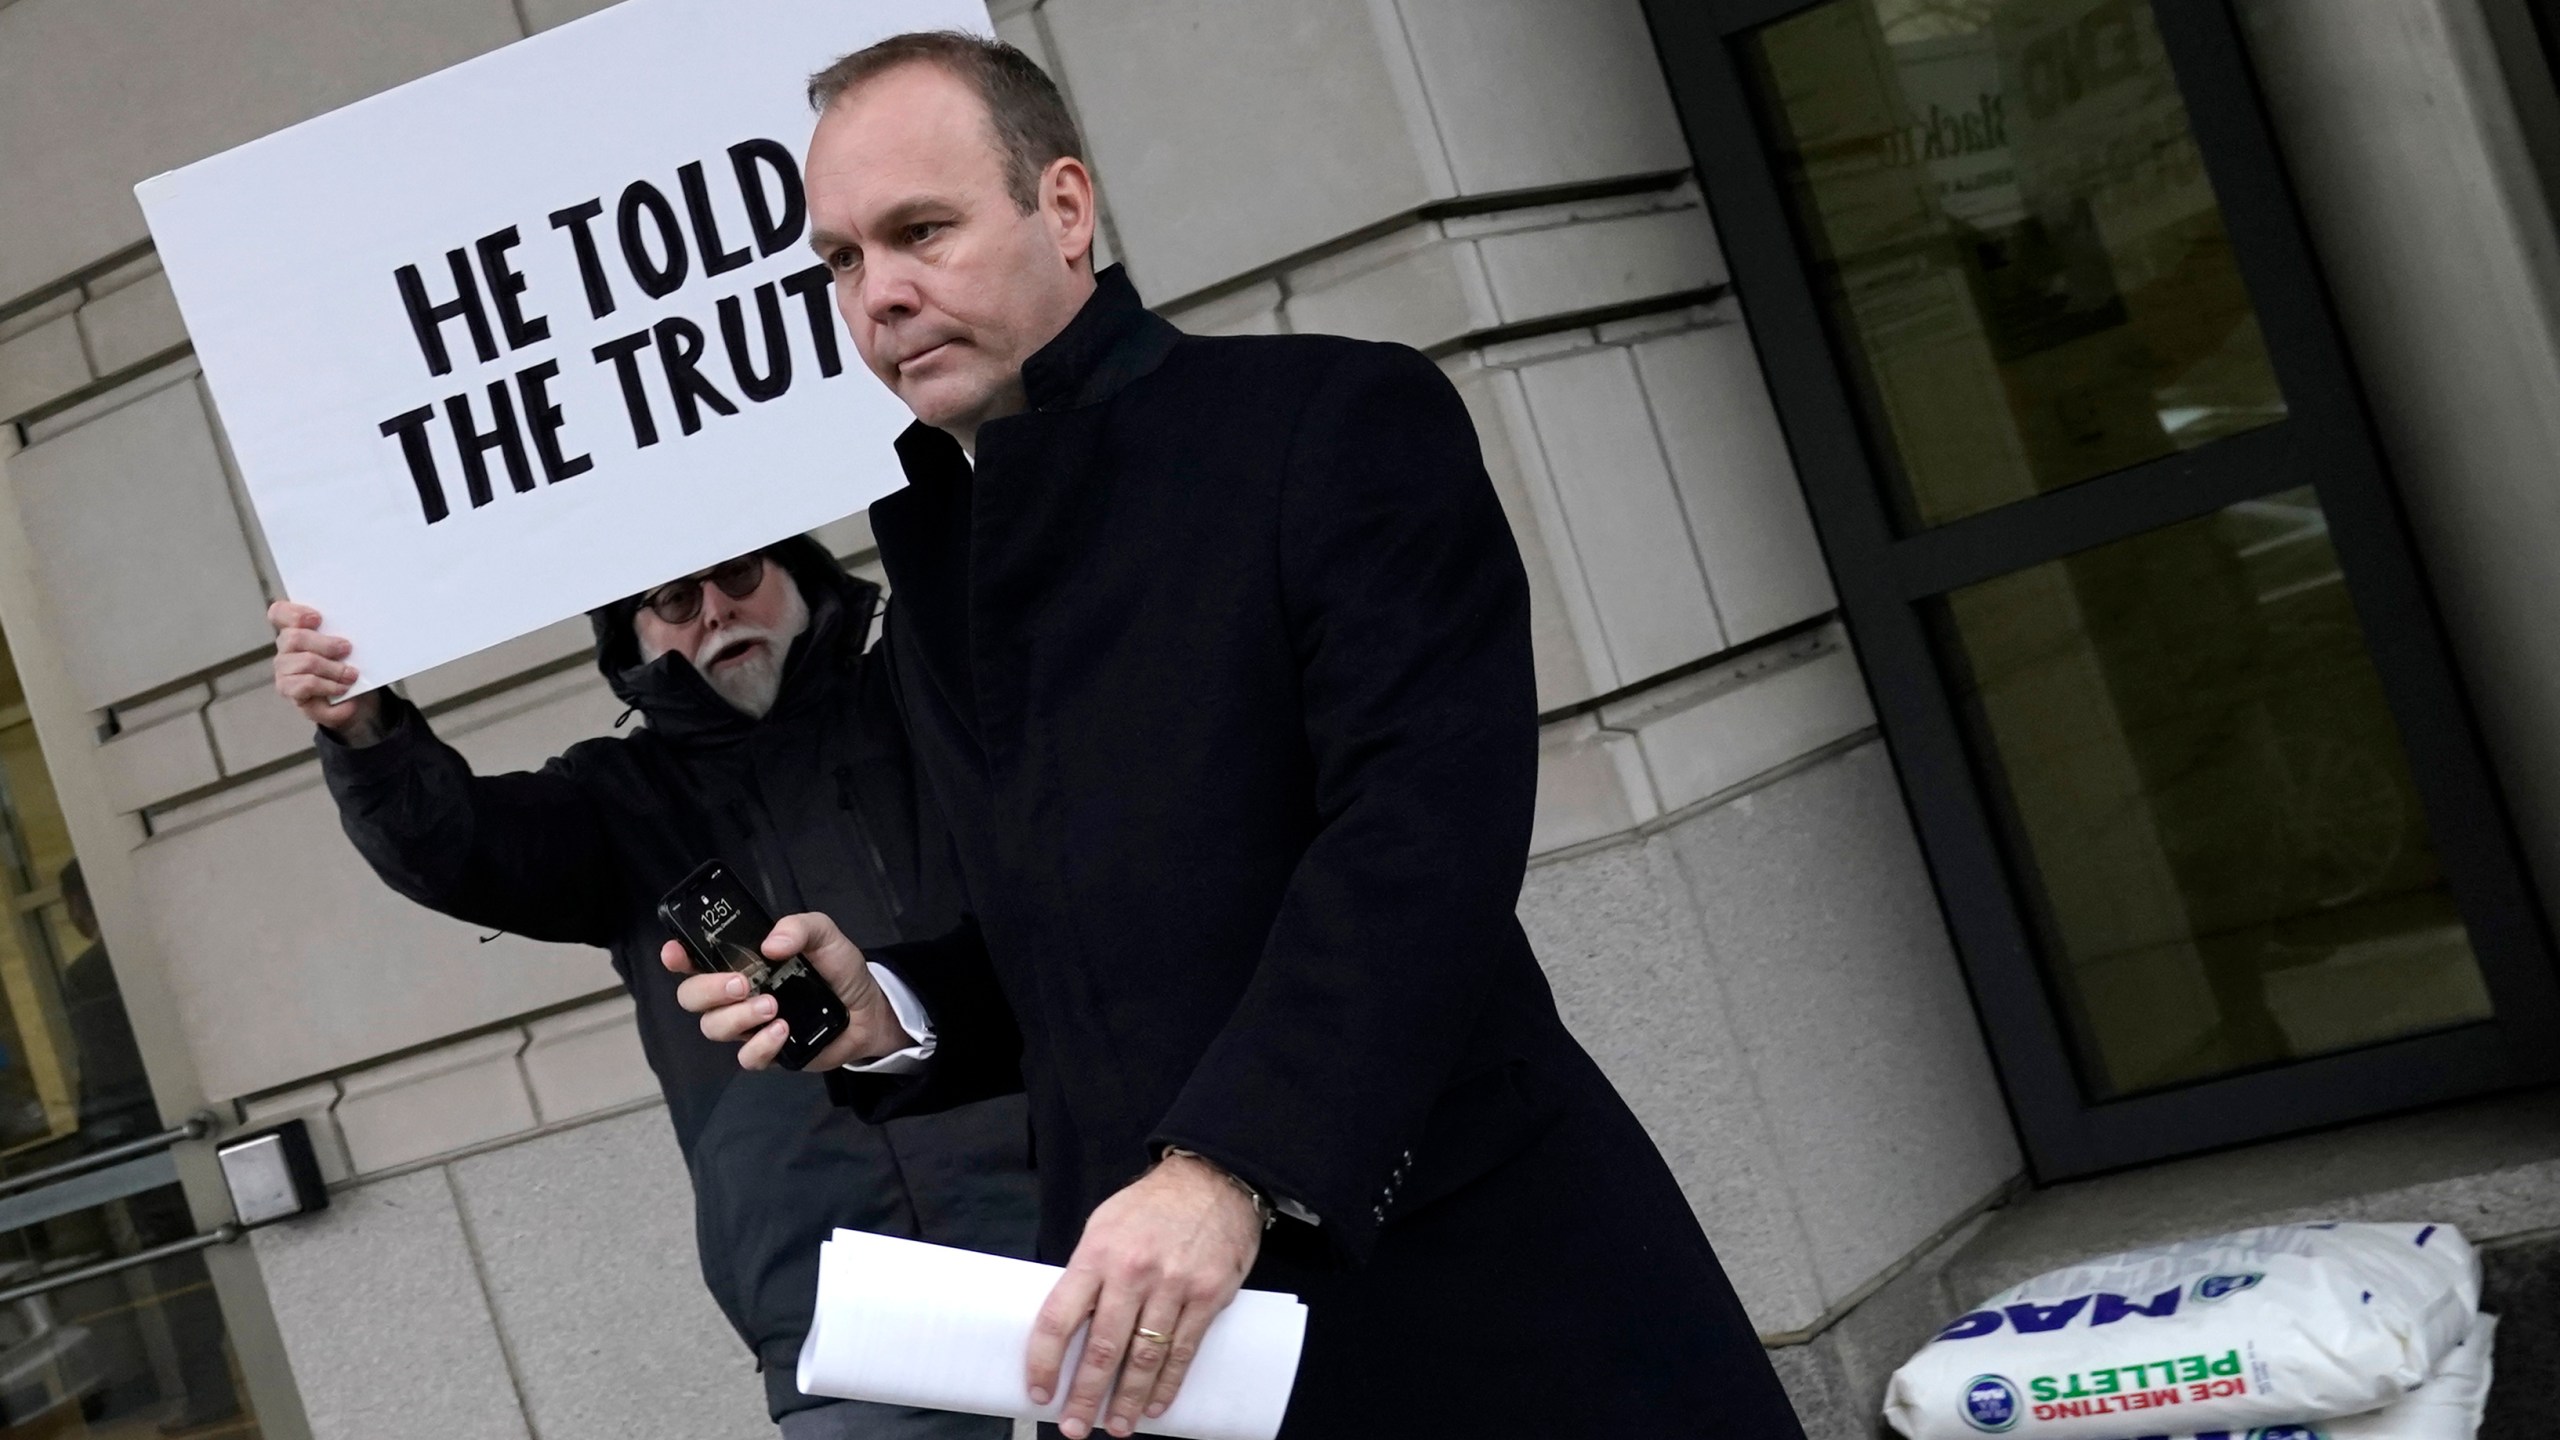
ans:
x=1067 y=205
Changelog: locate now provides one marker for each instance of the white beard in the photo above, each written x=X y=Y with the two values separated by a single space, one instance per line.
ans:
x=750 y=685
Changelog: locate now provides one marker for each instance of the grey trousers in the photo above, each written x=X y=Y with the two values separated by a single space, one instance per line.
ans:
x=860 y=1420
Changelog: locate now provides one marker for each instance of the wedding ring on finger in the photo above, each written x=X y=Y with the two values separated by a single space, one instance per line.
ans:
x=1155 y=1337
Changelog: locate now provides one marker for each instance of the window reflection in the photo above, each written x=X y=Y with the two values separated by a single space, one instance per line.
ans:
x=2015 y=236
x=141 y=1353
x=2210 y=801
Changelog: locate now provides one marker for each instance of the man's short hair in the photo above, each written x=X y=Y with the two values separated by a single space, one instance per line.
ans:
x=1032 y=124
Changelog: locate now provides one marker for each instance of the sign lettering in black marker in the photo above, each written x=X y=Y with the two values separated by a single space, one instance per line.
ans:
x=758 y=355
x=654 y=244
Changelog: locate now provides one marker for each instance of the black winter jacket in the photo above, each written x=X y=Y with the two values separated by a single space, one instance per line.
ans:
x=813 y=806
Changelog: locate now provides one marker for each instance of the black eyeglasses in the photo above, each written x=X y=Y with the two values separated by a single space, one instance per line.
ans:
x=678 y=601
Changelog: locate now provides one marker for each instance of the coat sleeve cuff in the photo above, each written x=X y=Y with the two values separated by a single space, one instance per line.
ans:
x=975 y=1048
x=1337 y=1224
x=404 y=732
x=912 y=1018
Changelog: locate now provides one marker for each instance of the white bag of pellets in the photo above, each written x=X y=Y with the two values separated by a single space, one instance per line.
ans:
x=2270 y=1327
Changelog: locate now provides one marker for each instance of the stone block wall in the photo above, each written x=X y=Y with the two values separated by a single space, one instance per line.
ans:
x=541 y=1284
x=515 y=1201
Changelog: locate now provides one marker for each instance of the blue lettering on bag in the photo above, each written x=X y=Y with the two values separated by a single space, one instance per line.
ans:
x=2107 y=1309
x=2112 y=1308
x=2036 y=1319
x=1968 y=1327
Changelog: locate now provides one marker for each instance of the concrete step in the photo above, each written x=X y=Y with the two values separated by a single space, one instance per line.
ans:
x=2521 y=1286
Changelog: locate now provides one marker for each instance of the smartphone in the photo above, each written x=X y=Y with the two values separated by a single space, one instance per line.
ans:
x=724 y=928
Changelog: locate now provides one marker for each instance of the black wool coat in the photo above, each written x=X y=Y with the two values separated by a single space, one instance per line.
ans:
x=815 y=811
x=1218 y=663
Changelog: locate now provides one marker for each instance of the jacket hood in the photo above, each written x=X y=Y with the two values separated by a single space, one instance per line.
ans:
x=680 y=705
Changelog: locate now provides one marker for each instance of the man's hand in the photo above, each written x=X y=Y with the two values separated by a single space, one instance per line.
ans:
x=311 y=671
x=731 y=1011
x=1165 y=1255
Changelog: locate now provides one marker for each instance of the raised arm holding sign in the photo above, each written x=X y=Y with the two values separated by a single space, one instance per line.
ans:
x=757 y=657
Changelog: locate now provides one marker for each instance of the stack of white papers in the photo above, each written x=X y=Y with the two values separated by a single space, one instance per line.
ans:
x=906 y=1323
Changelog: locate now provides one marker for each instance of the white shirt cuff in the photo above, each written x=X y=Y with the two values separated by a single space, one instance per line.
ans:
x=911 y=1018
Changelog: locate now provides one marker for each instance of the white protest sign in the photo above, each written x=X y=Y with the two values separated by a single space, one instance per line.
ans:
x=541 y=330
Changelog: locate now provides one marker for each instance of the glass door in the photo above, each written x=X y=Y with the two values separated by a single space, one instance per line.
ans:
x=141 y=1352
x=2192 y=771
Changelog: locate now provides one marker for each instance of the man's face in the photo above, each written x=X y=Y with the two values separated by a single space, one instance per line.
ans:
x=945 y=284
x=737 y=643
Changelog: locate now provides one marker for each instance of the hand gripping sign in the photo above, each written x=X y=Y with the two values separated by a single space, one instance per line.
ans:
x=538 y=331
x=2272 y=1327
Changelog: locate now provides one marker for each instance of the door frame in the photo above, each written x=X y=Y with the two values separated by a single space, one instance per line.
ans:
x=1887 y=582
x=104 y=839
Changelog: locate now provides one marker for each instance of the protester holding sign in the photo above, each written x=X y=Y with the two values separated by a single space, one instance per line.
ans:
x=1216 y=654
x=752 y=680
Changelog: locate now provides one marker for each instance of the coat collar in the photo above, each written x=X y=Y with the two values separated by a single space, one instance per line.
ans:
x=1113 y=342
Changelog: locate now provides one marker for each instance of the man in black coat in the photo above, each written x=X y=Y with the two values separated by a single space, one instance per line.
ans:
x=1215 y=653
x=752 y=753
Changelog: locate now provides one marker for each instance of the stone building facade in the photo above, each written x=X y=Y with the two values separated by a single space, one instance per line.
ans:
x=1726 y=888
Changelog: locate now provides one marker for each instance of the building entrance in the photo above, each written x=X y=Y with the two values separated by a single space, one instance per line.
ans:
x=2195 y=779
x=140 y=1351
